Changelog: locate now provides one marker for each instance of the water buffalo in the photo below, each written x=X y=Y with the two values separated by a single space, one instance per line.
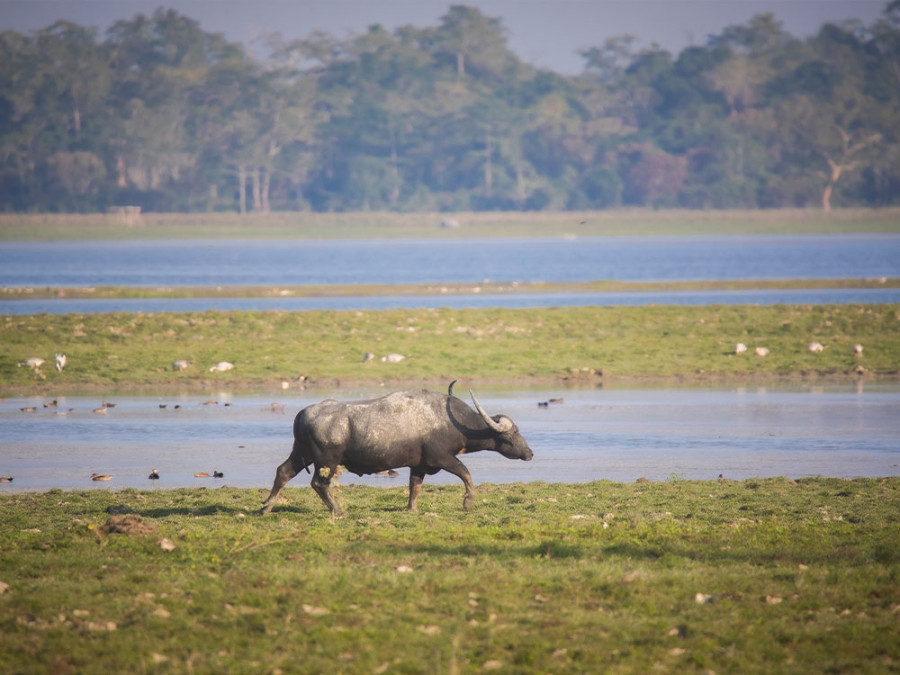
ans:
x=423 y=430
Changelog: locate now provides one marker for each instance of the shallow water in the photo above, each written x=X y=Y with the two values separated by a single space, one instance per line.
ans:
x=594 y=434
x=468 y=301
x=296 y=263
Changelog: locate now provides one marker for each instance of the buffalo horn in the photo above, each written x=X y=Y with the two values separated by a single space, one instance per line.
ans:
x=487 y=418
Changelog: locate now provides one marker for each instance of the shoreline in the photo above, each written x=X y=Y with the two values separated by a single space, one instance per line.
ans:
x=560 y=382
x=450 y=289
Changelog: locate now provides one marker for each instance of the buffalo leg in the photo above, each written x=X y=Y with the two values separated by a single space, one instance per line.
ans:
x=457 y=468
x=321 y=483
x=287 y=470
x=415 y=485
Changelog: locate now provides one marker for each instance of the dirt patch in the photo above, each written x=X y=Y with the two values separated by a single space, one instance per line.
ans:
x=128 y=524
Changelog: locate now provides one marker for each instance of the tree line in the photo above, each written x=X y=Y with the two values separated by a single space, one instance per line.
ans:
x=166 y=116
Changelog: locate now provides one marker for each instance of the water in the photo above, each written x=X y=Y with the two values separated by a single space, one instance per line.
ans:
x=289 y=263
x=613 y=434
x=295 y=263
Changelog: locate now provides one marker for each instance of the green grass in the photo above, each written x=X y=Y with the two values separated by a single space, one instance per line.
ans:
x=638 y=222
x=576 y=344
x=800 y=576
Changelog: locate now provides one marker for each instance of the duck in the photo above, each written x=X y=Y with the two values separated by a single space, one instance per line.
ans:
x=154 y=475
x=201 y=474
x=100 y=411
x=100 y=476
x=6 y=479
x=218 y=474
x=52 y=404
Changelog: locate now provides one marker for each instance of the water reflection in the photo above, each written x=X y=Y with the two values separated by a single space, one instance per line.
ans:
x=614 y=434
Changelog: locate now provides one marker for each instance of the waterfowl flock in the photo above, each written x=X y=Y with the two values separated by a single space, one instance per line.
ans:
x=154 y=475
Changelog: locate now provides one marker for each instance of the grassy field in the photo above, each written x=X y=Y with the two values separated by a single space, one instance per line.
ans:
x=771 y=576
x=52 y=227
x=575 y=344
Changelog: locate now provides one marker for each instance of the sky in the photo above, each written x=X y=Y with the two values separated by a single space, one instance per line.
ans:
x=545 y=33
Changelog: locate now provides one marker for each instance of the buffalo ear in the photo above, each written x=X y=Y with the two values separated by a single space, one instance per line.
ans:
x=504 y=424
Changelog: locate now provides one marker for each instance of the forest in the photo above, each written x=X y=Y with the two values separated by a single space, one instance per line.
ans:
x=162 y=115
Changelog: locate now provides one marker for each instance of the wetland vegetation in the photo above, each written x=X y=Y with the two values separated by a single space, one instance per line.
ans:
x=577 y=344
x=376 y=225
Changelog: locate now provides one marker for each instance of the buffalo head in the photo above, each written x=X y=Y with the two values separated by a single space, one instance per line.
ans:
x=510 y=442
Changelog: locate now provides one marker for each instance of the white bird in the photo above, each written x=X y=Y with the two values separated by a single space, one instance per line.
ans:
x=180 y=364
x=34 y=362
x=60 y=361
x=762 y=351
x=392 y=358
x=221 y=367
x=815 y=347
x=740 y=348
x=857 y=349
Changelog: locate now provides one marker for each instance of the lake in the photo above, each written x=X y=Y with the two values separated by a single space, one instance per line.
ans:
x=296 y=263
x=594 y=434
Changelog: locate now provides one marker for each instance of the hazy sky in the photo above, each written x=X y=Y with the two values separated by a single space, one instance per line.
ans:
x=546 y=33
